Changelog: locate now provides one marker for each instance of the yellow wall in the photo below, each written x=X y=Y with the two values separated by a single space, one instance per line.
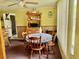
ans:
x=62 y=25
x=45 y=19
x=70 y=29
x=76 y=54
x=21 y=17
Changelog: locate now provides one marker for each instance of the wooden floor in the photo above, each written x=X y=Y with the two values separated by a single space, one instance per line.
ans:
x=17 y=51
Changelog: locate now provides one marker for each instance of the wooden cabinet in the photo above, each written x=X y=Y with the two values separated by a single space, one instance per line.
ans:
x=34 y=15
x=34 y=21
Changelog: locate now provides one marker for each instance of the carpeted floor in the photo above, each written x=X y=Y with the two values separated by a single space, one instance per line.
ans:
x=17 y=51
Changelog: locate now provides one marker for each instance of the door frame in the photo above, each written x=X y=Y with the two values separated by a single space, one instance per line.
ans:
x=2 y=45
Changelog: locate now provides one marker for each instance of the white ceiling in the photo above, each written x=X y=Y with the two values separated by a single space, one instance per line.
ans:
x=4 y=3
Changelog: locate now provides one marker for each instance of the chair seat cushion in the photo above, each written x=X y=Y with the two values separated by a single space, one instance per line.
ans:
x=51 y=43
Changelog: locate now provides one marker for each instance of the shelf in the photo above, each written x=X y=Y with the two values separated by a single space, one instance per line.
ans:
x=34 y=20
x=34 y=14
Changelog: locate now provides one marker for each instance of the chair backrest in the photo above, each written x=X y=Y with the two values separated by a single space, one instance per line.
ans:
x=37 y=42
x=24 y=36
x=54 y=37
x=31 y=30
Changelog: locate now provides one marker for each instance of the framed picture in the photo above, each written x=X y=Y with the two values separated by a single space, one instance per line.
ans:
x=50 y=14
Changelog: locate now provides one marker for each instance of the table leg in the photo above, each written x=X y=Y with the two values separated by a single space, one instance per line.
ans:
x=47 y=51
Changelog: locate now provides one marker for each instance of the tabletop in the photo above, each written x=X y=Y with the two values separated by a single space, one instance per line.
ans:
x=45 y=38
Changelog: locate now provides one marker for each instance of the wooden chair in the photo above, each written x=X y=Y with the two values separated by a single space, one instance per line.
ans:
x=26 y=44
x=52 y=43
x=36 y=46
x=24 y=36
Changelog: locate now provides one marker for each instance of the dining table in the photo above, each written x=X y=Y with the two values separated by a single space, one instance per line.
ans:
x=45 y=39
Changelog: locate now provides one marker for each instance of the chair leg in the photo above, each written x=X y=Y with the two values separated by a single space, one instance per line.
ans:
x=8 y=41
x=31 y=54
x=51 y=50
x=47 y=50
x=39 y=54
